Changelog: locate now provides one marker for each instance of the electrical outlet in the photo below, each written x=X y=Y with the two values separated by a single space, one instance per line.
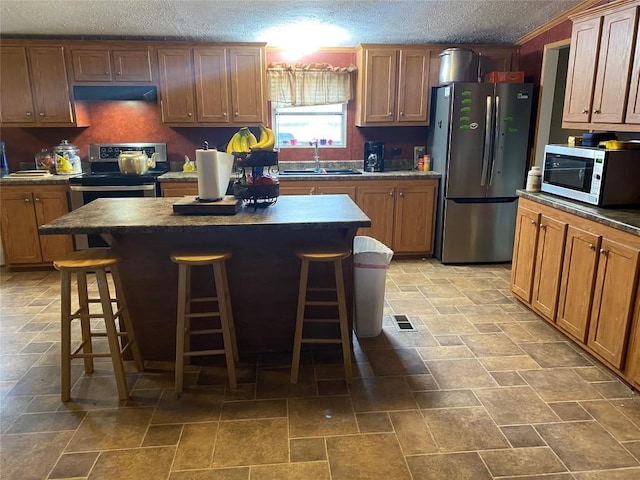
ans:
x=396 y=151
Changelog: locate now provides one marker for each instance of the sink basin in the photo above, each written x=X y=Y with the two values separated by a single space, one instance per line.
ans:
x=324 y=171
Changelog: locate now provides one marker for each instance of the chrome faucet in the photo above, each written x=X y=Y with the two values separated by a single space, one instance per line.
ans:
x=316 y=156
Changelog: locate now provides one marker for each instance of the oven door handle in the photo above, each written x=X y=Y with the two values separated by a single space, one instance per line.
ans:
x=113 y=188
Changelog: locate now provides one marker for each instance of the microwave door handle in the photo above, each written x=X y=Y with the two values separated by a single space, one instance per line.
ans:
x=496 y=140
x=486 y=154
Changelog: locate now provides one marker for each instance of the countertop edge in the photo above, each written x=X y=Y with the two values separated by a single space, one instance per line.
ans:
x=180 y=177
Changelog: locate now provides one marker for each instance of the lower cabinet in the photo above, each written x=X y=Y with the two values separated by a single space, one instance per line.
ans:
x=591 y=270
x=24 y=209
x=401 y=211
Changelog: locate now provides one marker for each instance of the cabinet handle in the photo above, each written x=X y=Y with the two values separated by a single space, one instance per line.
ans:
x=584 y=110
x=29 y=114
x=41 y=114
x=592 y=246
x=37 y=199
x=224 y=114
x=604 y=252
x=235 y=114
x=27 y=200
x=596 y=111
x=391 y=193
x=533 y=222
x=543 y=226
x=119 y=73
x=389 y=114
x=189 y=114
x=402 y=114
x=401 y=194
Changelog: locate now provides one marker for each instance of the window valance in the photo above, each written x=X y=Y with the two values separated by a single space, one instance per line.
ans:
x=309 y=84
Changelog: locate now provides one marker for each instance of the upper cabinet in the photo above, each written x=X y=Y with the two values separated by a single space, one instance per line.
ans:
x=602 y=80
x=34 y=87
x=393 y=85
x=216 y=85
x=91 y=64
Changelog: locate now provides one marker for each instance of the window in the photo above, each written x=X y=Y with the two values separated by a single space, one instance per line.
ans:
x=297 y=126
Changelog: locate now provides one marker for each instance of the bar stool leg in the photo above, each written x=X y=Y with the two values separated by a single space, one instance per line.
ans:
x=232 y=328
x=344 y=328
x=112 y=334
x=183 y=274
x=65 y=336
x=297 y=340
x=223 y=304
x=85 y=321
x=126 y=319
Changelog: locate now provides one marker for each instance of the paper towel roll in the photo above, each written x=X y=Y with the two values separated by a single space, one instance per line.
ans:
x=214 y=171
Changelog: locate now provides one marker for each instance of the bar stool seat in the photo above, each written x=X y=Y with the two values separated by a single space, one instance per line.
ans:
x=81 y=263
x=185 y=261
x=335 y=257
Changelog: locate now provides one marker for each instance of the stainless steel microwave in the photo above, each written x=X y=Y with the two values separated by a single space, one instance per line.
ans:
x=592 y=175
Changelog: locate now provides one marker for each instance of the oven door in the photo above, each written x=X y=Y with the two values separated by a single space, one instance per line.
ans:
x=83 y=194
x=570 y=175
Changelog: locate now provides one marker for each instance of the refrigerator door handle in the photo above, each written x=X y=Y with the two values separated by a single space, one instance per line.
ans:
x=486 y=155
x=496 y=140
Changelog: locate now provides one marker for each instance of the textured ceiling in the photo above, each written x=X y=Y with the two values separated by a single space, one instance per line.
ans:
x=366 y=21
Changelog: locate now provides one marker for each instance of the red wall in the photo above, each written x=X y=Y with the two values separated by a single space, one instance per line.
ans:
x=115 y=121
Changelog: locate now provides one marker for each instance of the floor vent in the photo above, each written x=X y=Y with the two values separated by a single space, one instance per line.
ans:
x=403 y=323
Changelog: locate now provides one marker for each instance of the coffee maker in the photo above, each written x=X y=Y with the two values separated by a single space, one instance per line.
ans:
x=374 y=156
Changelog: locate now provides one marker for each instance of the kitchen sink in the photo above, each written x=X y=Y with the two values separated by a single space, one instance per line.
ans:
x=324 y=171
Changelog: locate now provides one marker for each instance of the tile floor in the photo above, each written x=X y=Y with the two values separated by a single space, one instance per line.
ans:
x=483 y=389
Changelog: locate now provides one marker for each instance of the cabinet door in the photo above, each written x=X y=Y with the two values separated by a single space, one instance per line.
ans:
x=294 y=188
x=549 y=254
x=632 y=368
x=578 y=278
x=414 y=215
x=132 y=65
x=50 y=204
x=380 y=85
x=91 y=65
x=180 y=189
x=413 y=86
x=212 y=90
x=613 y=301
x=15 y=86
x=176 y=85
x=377 y=202
x=247 y=78
x=50 y=87
x=19 y=227
x=336 y=190
x=585 y=38
x=633 y=105
x=524 y=253
x=614 y=65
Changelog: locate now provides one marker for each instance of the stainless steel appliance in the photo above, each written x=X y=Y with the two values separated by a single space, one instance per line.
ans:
x=592 y=175
x=479 y=144
x=105 y=179
x=374 y=156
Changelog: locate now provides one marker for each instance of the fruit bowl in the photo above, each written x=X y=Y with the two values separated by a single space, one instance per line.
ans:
x=257 y=195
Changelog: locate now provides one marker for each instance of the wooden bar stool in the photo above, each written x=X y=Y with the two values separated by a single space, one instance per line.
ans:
x=335 y=257
x=80 y=263
x=184 y=331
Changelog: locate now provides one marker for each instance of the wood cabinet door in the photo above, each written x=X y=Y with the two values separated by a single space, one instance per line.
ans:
x=132 y=65
x=179 y=189
x=413 y=86
x=613 y=299
x=578 y=279
x=549 y=254
x=19 y=227
x=50 y=86
x=336 y=190
x=176 y=85
x=633 y=104
x=614 y=66
x=296 y=189
x=414 y=218
x=632 y=368
x=377 y=202
x=524 y=253
x=15 y=86
x=49 y=204
x=583 y=55
x=380 y=85
x=91 y=65
x=212 y=86
x=247 y=76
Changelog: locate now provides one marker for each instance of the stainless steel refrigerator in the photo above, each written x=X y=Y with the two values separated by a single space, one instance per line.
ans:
x=479 y=142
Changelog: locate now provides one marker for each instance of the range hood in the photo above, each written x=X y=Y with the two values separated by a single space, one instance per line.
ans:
x=115 y=92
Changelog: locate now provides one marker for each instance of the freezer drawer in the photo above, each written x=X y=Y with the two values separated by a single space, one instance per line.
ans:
x=478 y=231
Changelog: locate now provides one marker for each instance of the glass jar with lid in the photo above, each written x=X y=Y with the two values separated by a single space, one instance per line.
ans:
x=67 y=158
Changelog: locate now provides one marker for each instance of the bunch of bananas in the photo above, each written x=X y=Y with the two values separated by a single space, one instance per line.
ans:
x=243 y=141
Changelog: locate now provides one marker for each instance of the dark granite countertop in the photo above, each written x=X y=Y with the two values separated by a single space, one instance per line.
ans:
x=388 y=175
x=626 y=219
x=48 y=180
x=155 y=215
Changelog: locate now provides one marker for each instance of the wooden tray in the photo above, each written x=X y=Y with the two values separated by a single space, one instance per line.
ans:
x=229 y=205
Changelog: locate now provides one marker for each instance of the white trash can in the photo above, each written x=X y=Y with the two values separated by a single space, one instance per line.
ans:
x=371 y=260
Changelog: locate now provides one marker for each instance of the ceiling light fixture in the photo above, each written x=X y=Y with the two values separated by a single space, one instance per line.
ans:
x=303 y=38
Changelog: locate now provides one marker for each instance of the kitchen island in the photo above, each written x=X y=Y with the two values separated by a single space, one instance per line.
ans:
x=263 y=271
